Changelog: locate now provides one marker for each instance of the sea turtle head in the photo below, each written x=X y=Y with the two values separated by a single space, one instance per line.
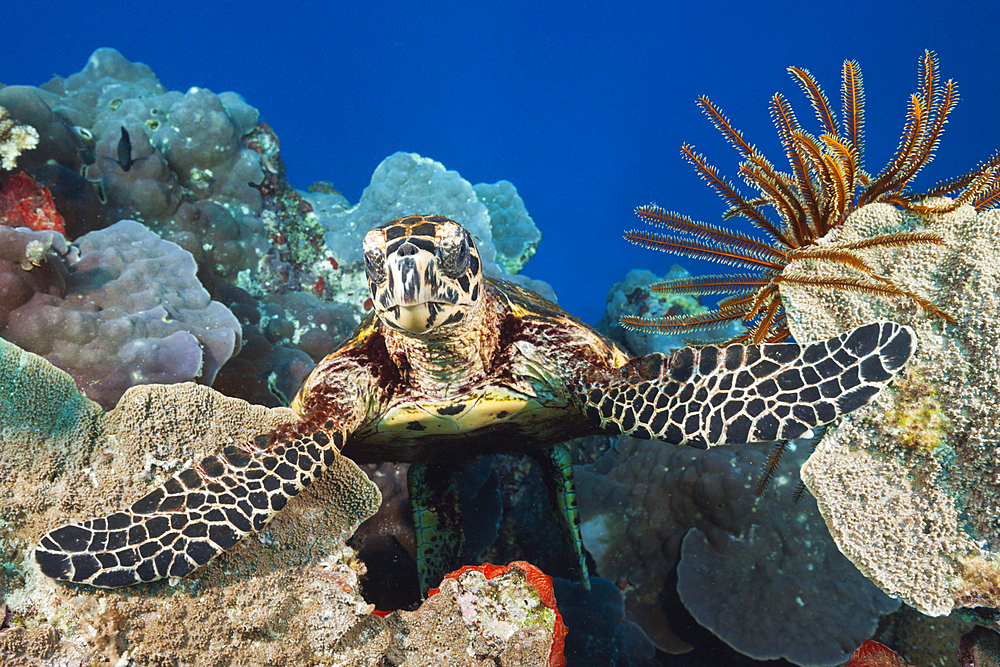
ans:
x=424 y=273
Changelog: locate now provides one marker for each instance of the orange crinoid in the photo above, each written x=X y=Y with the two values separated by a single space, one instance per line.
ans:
x=826 y=183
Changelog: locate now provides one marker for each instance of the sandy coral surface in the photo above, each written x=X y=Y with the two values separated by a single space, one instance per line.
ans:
x=909 y=485
x=288 y=595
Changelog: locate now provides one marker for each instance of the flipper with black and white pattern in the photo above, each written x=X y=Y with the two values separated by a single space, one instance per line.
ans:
x=194 y=516
x=751 y=393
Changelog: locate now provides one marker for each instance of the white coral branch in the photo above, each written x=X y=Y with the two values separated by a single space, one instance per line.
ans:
x=15 y=138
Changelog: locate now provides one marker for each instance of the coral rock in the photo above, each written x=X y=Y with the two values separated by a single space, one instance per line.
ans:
x=909 y=485
x=514 y=232
x=133 y=313
x=487 y=610
x=646 y=506
x=406 y=183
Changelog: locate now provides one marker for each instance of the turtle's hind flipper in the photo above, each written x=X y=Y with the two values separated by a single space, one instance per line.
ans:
x=192 y=518
x=557 y=472
x=752 y=393
x=437 y=519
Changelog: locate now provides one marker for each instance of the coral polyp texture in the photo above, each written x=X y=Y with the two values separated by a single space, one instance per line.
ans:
x=825 y=184
x=909 y=486
x=15 y=138
x=132 y=312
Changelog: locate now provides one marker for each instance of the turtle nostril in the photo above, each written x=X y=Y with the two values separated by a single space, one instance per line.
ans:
x=406 y=249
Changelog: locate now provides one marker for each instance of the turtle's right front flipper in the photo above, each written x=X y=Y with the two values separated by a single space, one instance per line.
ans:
x=195 y=516
x=751 y=393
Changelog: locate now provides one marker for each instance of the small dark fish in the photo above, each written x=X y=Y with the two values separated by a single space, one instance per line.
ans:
x=125 y=160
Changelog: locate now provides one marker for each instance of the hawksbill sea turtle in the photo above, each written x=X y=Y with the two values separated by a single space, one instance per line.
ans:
x=451 y=365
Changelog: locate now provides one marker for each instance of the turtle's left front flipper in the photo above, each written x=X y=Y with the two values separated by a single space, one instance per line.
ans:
x=196 y=515
x=751 y=393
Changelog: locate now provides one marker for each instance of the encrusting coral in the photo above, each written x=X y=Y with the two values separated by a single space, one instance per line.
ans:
x=24 y=202
x=290 y=596
x=132 y=312
x=647 y=507
x=909 y=486
x=15 y=138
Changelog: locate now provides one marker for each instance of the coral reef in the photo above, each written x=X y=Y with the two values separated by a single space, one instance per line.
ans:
x=648 y=507
x=406 y=183
x=63 y=457
x=513 y=231
x=15 y=138
x=290 y=596
x=979 y=648
x=495 y=612
x=201 y=171
x=26 y=203
x=60 y=141
x=133 y=312
x=632 y=297
x=909 y=486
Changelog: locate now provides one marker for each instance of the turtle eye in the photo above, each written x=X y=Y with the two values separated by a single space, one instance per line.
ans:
x=454 y=259
x=374 y=267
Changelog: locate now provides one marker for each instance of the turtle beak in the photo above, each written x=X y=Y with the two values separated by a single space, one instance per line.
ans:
x=408 y=281
x=411 y=276
x=415 y=319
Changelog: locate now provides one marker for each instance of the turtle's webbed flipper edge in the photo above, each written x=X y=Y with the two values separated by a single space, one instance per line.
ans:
x=753 y=393
x=192 y=518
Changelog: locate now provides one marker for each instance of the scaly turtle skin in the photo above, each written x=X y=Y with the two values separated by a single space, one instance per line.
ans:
x=451 y=365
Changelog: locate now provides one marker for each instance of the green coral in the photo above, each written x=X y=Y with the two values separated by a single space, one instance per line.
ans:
x=917 y=419
x=39 y=400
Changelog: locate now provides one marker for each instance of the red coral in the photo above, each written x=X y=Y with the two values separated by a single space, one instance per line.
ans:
x=541 y=582
x=26 y=203
x=873 y=654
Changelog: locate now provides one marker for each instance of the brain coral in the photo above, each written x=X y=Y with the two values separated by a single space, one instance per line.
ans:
x=648 y=506
x=910 y=485
x=133 y=313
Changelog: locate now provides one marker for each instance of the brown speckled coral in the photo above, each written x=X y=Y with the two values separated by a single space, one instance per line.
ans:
x=910 y=487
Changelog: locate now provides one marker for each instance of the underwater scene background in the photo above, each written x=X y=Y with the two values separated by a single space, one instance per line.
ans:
x=582 y=106
x=541 y=128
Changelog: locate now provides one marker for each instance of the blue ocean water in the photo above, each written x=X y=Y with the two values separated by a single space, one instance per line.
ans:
x=583 y=106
